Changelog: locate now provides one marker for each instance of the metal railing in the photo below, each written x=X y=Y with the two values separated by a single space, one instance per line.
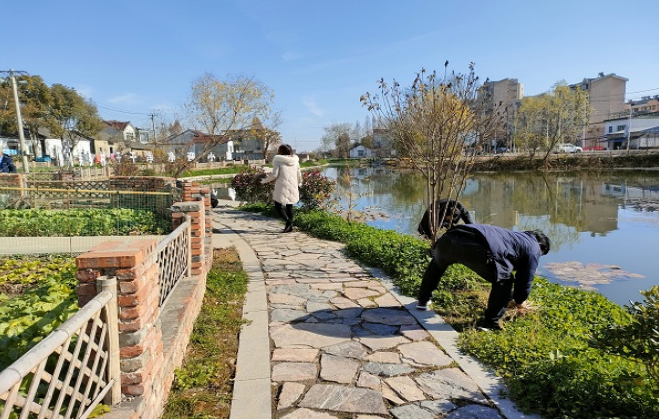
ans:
x=67 y=374
x=174 y=255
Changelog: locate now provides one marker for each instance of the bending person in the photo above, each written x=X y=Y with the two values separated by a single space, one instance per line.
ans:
x=493 y=253
x=287 y=176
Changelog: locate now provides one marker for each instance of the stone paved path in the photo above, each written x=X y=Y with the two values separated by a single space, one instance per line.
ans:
x=341 y=343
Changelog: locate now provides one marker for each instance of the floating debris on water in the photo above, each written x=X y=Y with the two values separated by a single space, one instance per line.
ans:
x=589 y=275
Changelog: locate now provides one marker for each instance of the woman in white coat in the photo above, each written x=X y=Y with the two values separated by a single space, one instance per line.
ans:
x=287 y=176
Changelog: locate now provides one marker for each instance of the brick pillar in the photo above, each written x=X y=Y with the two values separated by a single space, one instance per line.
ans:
x=140 y=338
x=193 y=191
x=197 y=242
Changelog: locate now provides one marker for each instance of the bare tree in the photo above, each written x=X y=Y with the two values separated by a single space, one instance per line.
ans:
x=221 y=107
x=435 y=122
x=337 y=137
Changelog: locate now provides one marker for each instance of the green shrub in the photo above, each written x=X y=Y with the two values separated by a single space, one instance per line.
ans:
x=249 y=188
x=639 y=338
x=315 y=190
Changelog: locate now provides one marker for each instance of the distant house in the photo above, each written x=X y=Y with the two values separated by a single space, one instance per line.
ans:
x=360 y=152
x=245 y=143
x=643 y=132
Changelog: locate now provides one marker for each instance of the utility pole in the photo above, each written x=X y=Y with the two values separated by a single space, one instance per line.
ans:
x=19 y=122
x=629 y=125
x=153 y=124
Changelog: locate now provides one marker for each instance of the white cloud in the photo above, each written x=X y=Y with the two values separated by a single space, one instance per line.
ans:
x=125 y=99
x=312 y=106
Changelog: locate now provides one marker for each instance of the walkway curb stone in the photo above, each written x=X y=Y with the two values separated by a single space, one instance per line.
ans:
x=329 y=338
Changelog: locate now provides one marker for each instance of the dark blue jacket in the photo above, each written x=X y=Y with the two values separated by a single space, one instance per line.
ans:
x=7 y=164
x=517 y=251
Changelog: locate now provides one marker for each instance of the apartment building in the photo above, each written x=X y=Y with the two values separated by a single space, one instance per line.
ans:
x=503 y=96
x=606 y=95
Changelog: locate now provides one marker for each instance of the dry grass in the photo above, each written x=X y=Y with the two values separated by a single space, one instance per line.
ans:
x=203 y=386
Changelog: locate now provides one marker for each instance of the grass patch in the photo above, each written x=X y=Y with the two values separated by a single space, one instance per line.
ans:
x=231 y=169
x=203 y=385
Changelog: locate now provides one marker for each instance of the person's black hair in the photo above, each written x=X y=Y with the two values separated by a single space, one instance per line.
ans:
x=543 y=241
x=285 y=150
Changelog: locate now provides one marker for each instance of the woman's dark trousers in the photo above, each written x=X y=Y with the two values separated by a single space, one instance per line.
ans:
x=285 y=215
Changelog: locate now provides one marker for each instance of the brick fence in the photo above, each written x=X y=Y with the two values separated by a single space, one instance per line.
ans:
x=152 y=339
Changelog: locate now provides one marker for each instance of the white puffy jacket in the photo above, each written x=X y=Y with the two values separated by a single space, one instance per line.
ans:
x=286 y=171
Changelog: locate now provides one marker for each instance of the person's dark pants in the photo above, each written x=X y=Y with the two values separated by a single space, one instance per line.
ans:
x=459 y=246
x=285 y=215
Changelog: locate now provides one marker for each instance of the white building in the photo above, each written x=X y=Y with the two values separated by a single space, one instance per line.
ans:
x=642 y=133
x=360 y=152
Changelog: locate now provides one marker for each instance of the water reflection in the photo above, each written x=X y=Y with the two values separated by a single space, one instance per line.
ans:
x=608 y=222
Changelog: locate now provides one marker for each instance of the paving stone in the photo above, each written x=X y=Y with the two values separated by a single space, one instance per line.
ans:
x=289 y=394
x=411 y=411
x=366 y=303
x=286 y=281
x=324 y=316
x=358 y=293
x=300 y=290
x=384 y=357
x=389 y=394
x=439 y=407
x=388 y=370
x=308 y=414
x=351 y=349
x=388 y=316
x=474 y=411
x=332 y=286
x=380 y=329
x=314 y=335
x=406 y=388
x=303 y=280
x=286 y=315
x=387 y=300
x=414 y=332
x=368 y=417
x=344 y=399
x=288 y=299
x=368 y=380
x=294 y=355
x=450 y=384
x=294 y=371
x=382 y=342
x=350 y=312
x=313 y=306
x=338 y=369
x=424 y=353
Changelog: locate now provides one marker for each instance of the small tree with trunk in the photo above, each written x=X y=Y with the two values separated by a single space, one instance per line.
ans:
x=435 y=123
x=222 y=107
x=559 y=116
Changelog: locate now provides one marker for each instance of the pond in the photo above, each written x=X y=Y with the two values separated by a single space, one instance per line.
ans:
x=604 y=227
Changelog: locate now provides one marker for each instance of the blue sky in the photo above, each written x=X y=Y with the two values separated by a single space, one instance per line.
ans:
x=138 y=57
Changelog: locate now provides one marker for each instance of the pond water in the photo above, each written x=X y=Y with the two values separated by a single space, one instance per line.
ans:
x=604 y=227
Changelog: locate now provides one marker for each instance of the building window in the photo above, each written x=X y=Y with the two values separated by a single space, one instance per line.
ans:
x=610 y=129
x=621 y=127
